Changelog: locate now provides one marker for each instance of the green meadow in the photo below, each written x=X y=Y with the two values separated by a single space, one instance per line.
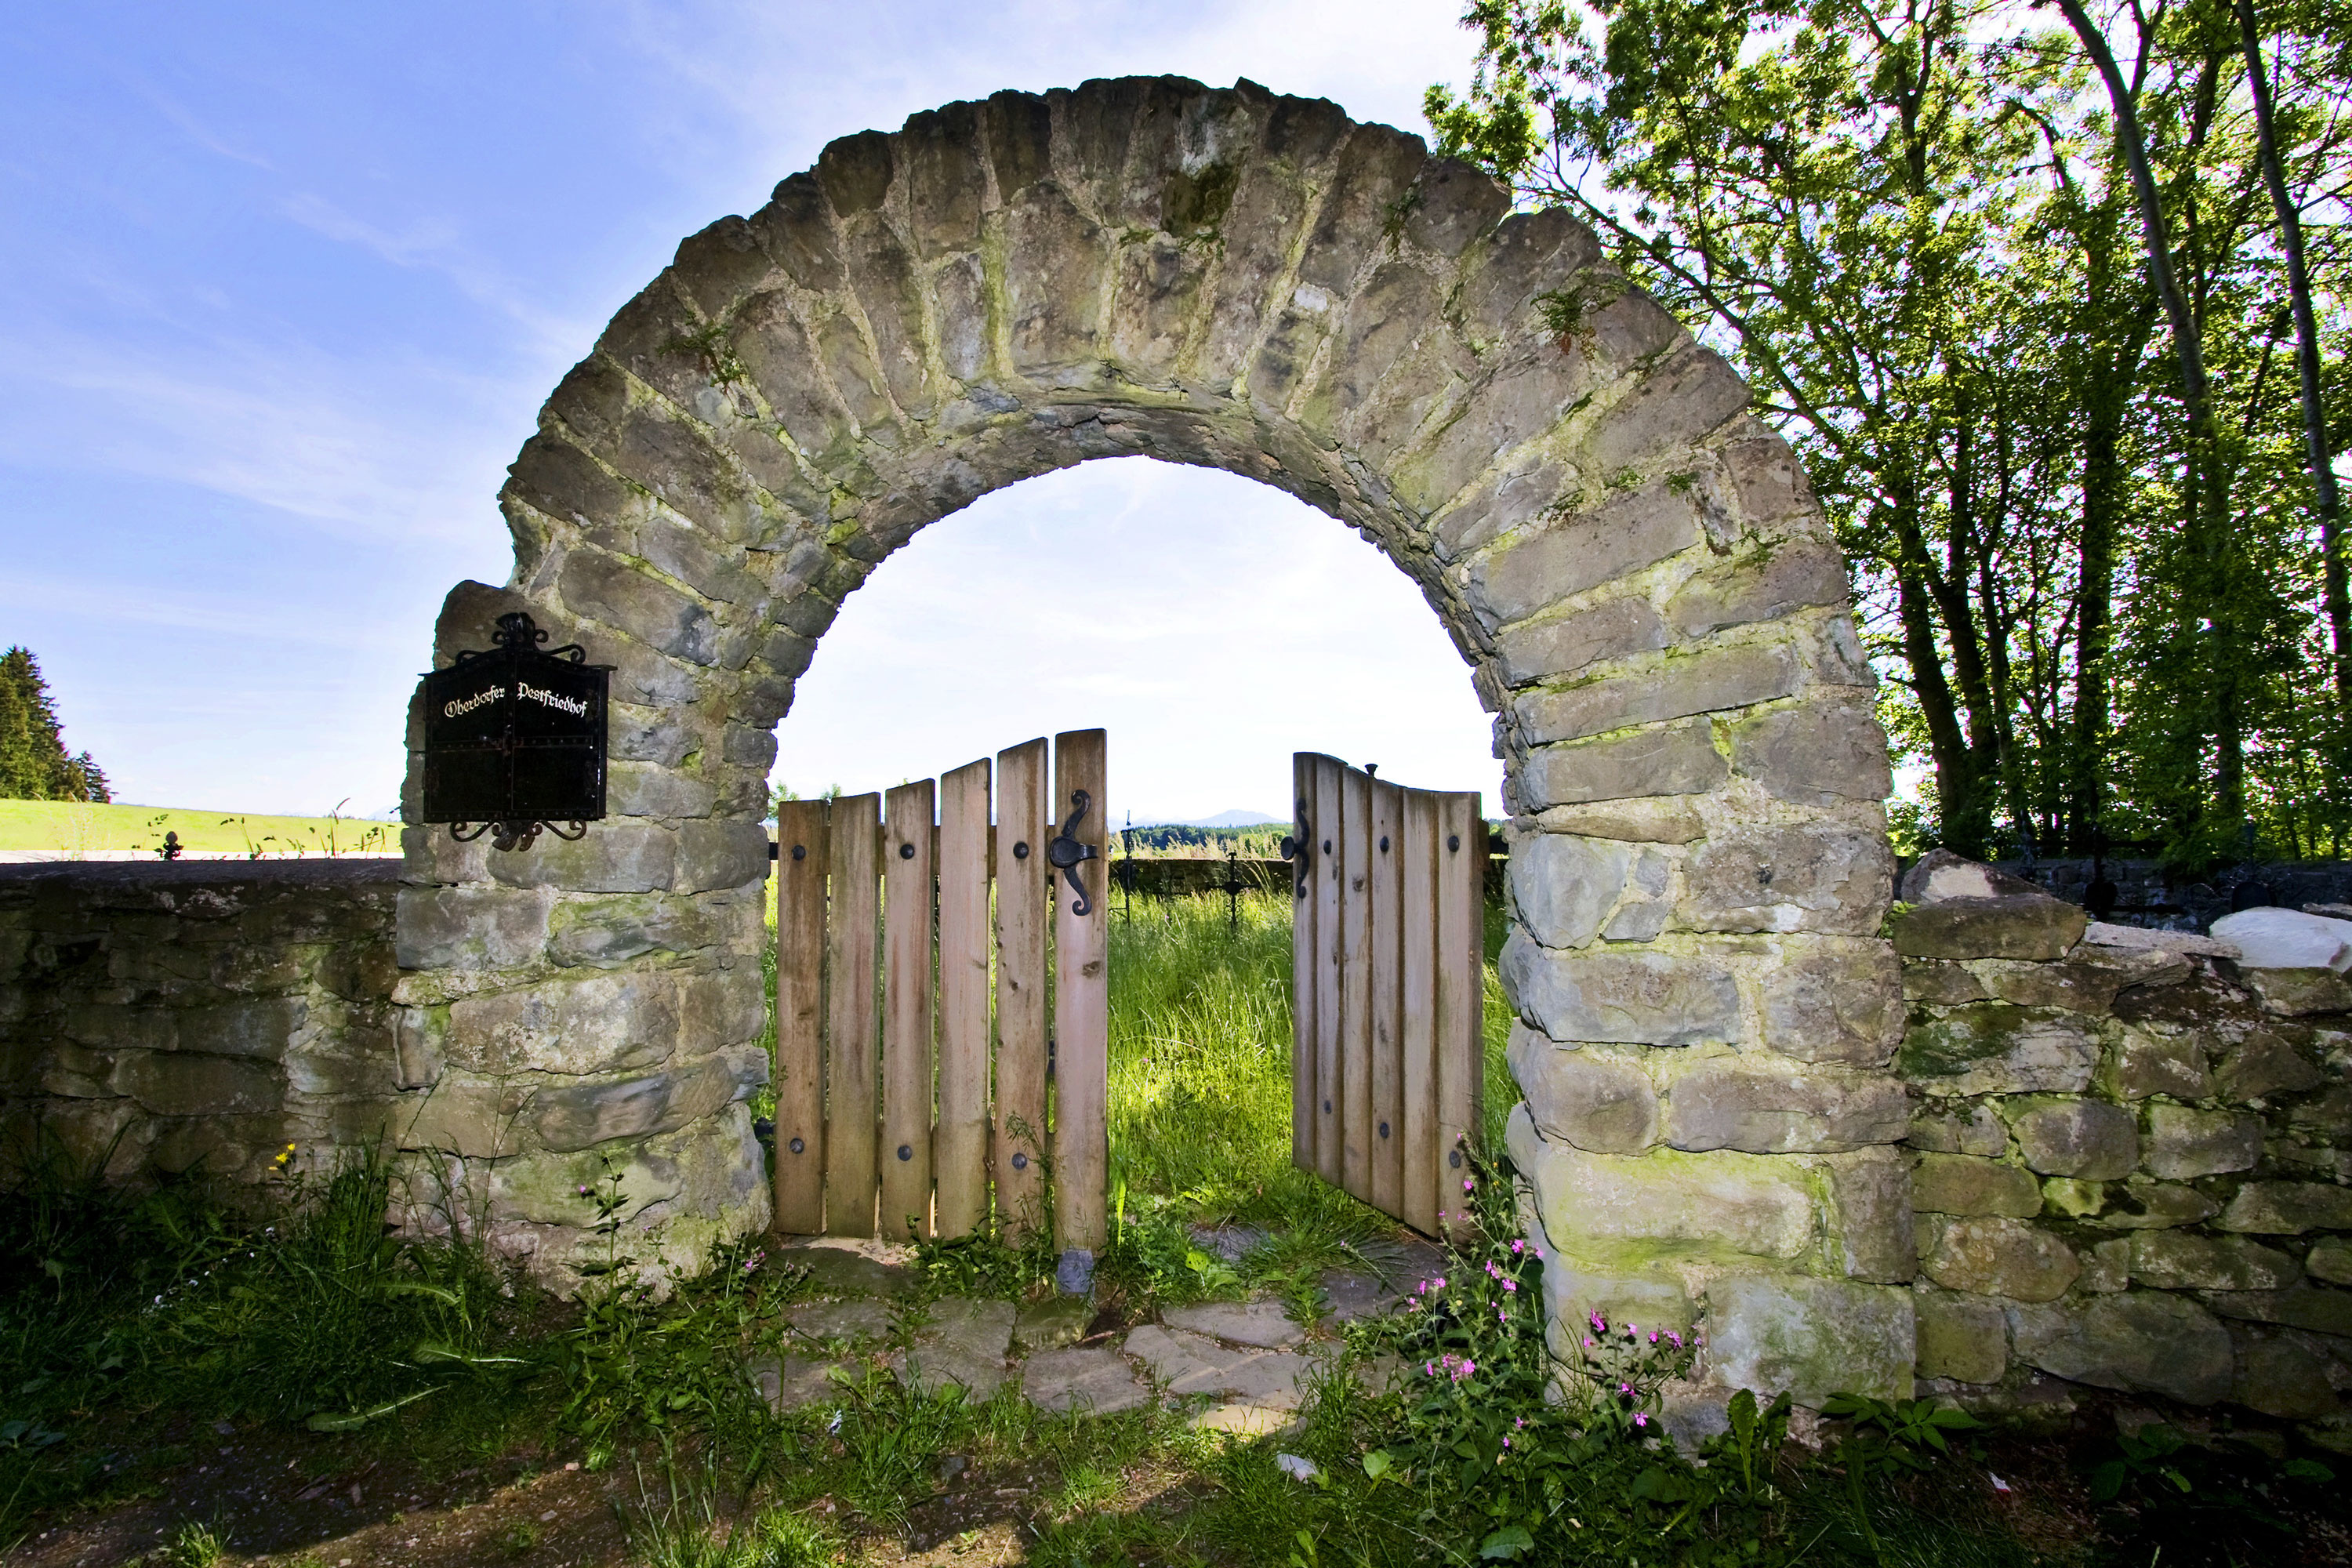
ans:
x=79 y=828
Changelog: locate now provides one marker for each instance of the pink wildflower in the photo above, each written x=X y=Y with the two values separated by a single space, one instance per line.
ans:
x=1517 y=1246
x=1513 y=1285
x=1588 y=1341
x=1466 y=1185
x=1653 y=1336
x=1640 y=1419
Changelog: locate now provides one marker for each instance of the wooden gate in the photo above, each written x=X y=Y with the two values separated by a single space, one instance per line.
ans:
x=1386 y=939
x=888 y=1116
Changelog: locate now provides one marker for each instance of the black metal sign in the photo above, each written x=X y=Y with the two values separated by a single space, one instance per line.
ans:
x=514 y=740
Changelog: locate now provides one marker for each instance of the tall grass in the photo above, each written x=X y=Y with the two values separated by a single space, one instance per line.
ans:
x=1200 y=1065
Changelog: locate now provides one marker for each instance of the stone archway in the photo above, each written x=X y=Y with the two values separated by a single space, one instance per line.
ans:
x=1629 y=562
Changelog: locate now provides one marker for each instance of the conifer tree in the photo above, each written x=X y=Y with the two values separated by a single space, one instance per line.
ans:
x=34 y=763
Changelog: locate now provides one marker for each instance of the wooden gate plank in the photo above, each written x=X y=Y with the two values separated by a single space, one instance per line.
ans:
x=1461 y=986
x=962 y=1146
x=1303 y=866
x=801 y=843
x=1356 y=982
x=1018 y=1145
x=1383 y=868
x=850 y=1173
x=1082 y=1004
x=906 y=1054
x=1330 y=1086
x=1417 y=921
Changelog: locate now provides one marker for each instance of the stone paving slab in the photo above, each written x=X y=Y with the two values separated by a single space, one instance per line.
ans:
x=1262 y=1323
x=851 y=1266
x=1095 y=1379
x=963 y=1345
x=1051 y=1324
x=795 y=1381
x=1190 y=1363
x=853 y=1318
x=1246 y=1420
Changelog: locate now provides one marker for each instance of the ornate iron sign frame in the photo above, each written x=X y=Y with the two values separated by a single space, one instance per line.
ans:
x=515 y=739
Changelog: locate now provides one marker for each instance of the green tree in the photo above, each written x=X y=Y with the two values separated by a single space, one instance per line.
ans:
x=34 y=763
x=2018 y=295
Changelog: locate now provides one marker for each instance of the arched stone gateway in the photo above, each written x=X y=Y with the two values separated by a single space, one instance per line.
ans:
x=1630 y=563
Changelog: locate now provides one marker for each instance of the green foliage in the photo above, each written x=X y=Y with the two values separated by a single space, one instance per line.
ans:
x=1912 y=227
x=195 y=1546
x=34 y=763
x=2200 y=1502
x=652 y=1352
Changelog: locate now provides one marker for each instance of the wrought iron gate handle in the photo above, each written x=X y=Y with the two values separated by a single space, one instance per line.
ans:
x=1064 y=853
x=1297 y=847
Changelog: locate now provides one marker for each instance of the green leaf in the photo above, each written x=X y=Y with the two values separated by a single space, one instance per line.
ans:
x=321 y=1421
x=1378 y=1463
x=1506 y=1544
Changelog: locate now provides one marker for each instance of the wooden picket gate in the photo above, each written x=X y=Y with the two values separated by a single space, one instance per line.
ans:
x=1387 y=946
x=900 y=1101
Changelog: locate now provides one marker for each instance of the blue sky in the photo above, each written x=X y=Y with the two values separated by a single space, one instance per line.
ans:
x=282 y=287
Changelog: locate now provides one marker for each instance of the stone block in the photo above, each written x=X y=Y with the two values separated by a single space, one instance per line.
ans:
x=463 y=1115
x=261 y=1028
x=2145 y=1064
x=2288 y=1209
x=651 y=789
x=2263 y=1065
x=1643 y=910
x=2281 y=1376
x=1962 y=1129
x=1571 y=1294
x=2272 y=938
x=1600 y=1103
x=2000 y=1258
x=613 y=929
x=1963 y=1340
x=628 y=600
x=1529 y=651
x=1941 y=982
x=2080 y=987
x=1538 y=569
x=2317 y=1311
x=1811 y=1337
x=2086 y=1139
x=1997 y=1049
x=1841 y=1005
x=2147 y=1205
x=1675 y=684
x=1966 y=1186
x=2183 y=1142
x=179 y=1083
x=2106 y=1268
x=1054 y=1323
x=473 y=928
x=720 y=854
x=1820 y=877
x=1778 y=580
x=1659 y=820
x=2143 y=1341
x=961 y=1348
x=1564 y=887
x=111 y=1026
x=1672 y=759
x=1689 y=395
x=2331 y=1261
x=619 y=1022
x=632 y=857
x=1870 y=1194
x=1593 y=1205
x=579 y=1116
x=2181 y=1260
x=1759 y=1106
x=2294 y=993
x=719 y=1008
x=2028 y=926
x=1939 y=875
x=1624 y=998
x=1820 y=753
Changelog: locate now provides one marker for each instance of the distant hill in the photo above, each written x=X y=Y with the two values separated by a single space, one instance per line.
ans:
x=1232 y=819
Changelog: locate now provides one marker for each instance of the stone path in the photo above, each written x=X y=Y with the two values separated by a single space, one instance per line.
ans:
x=1248 y=1360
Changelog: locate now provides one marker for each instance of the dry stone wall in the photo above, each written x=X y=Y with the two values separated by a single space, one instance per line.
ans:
x=198 y=1017
x=2134 y=1155
x=1629 y=562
